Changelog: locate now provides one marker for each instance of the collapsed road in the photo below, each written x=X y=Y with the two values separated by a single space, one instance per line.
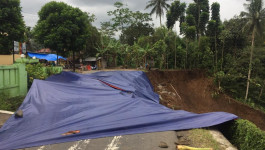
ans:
x=145 y=141
x=48 y=116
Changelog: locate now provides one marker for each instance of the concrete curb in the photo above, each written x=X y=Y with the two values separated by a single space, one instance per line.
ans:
x=6 y=112
x=221 y=139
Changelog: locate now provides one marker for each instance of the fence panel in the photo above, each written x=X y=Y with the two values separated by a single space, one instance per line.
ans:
x=13 y=80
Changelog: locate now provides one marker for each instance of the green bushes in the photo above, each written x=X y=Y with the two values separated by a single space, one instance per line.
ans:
x=245 y=135
x=53 y=70
x=35 y=71
x=10 y=104
x=39 y=71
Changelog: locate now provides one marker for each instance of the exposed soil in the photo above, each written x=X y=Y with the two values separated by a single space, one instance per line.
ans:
x=192 y=91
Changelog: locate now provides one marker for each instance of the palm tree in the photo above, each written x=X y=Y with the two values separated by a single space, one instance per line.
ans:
x=158 y=7
x=254 y=17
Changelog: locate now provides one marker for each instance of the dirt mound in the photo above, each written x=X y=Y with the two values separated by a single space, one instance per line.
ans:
x=192 y=91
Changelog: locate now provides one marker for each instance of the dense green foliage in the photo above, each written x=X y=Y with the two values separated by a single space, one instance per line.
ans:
x=175 y=13
x=62 y=27
x=92 y=42
x=244 y=135
x=10 y=104
x=12 y=26
x=39 y=71
x=35 y=71
x=131 y=24
x=199 y=11
x=221 y=48
x=133 y=32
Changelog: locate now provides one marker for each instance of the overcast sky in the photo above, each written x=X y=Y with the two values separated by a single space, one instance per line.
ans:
x=30 y=8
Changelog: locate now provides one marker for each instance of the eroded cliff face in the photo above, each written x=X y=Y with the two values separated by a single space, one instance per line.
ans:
x=193 y=91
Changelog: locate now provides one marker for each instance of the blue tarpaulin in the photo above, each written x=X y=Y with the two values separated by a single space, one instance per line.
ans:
x=96 y=105
x=48 y=57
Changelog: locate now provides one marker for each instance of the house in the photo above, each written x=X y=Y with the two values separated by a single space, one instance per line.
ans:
x=100 y=62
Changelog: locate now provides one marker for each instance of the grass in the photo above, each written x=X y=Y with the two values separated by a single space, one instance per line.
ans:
x=10 y=104
x=202 y=138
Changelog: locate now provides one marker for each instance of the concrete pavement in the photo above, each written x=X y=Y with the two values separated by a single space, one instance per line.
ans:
x=125 y=142
x=146 y=141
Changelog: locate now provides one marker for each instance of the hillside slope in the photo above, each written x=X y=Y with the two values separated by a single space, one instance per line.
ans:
x=192 y=91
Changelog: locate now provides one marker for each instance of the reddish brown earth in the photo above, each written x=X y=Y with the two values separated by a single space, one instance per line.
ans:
x=192 y=91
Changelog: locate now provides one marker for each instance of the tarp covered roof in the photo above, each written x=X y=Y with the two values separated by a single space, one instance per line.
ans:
x=48 y=57
x=96 y=105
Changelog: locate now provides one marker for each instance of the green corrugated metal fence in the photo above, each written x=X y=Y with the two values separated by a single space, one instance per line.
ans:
x=13 y=80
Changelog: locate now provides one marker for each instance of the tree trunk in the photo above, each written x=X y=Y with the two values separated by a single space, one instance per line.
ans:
x=107 y=58
x=73 y=61
x=57 y=59
x=215 y=47
x=198 y=23
x=222 y=55
x=160 y=20
x=115 y=60
x=186 y=59
x=167 y=61
x=175 y=66
x=261 y=90
x=137 y=61
x=250 y=63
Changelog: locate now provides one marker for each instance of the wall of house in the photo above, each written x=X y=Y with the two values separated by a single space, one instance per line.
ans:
x=8 y=59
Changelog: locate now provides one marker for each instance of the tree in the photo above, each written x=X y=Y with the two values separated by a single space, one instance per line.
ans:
x=214 y=28
x=12 y=26
x=189 y=30
x=92 y=42
x=132 y=33
x=225 y=34
x=62 y=28
x=160 y=48
x=200 y=11
x=109 y=50
x=171 y=50
x=176 y=11
x=254 y=16
x=162 y=38
x=107 y=29
x=123 y=18
x=237 y=40
x=158 y=7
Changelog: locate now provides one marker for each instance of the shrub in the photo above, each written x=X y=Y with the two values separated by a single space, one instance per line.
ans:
x=10 y=104
x=53 y=70
x=39 y=71
x=245 y=135
x=35 y=71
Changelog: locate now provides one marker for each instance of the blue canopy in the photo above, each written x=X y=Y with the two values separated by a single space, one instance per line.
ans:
x=48 y=57
x=93 y=106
